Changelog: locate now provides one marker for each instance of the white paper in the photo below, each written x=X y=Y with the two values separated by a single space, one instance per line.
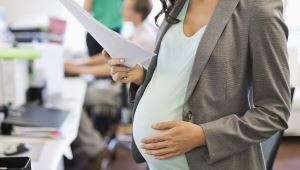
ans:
x=115 y=45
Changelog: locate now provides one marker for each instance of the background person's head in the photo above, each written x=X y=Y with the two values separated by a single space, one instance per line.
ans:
x=136 y=11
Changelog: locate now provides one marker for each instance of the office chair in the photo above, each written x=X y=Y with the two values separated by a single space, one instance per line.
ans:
x=270 y=147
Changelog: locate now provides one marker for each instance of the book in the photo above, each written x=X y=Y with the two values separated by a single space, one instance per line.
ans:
x=34 y=121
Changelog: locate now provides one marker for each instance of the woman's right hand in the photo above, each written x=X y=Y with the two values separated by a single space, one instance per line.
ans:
x=122 y=73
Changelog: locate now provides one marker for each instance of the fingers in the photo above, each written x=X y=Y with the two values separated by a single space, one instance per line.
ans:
x=155 y=146
x=165 y=125
x=113 y=61
x=124 y=74
x=127 y=79
x=120 y=76
x=160 y=152
x=154 y=139
x=116 y=61
x=119 y=72
x=116 y=69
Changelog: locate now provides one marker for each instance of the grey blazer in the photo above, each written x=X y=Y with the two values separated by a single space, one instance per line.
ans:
x=239 y=86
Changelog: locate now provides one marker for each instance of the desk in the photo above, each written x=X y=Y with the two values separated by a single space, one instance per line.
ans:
x=288 y=156
x=54 y=149
x=293 y=122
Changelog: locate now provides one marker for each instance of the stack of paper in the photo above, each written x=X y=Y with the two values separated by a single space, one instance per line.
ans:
x=35 y=121
x=42 y=132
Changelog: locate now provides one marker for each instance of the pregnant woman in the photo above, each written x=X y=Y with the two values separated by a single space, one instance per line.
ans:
x=217 y=88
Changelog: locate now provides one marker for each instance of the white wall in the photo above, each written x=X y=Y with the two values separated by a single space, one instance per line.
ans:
x=75 y=34
x=15 y=9
x=40 y=10
x=292 y=13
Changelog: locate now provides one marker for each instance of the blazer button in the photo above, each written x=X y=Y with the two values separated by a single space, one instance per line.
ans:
x=189 y=115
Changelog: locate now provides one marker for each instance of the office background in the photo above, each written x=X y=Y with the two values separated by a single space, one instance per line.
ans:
x=37 y=12
x=46 y=8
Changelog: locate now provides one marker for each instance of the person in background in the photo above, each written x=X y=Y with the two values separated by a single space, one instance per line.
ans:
x=95 y=65
x=144 y=34
x=91 y=142
x=108 y=13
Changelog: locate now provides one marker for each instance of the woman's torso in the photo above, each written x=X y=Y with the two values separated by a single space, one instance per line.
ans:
x=220 y=81
x=164 y=97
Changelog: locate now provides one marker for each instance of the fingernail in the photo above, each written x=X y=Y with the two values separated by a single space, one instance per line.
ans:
x=122 y=60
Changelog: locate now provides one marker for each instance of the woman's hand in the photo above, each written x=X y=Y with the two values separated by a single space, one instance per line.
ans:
x=177 y=138
x=124 y=74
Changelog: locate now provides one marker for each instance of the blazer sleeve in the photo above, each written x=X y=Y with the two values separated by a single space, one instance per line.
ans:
x=270 y=84
x=133 y=88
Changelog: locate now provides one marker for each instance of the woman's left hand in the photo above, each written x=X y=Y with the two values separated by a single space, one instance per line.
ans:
x=177 y=138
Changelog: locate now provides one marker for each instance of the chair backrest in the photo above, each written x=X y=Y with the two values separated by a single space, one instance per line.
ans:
x=270 y=147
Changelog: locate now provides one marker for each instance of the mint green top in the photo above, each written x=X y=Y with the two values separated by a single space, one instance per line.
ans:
x=108 y=12
x=164 y=96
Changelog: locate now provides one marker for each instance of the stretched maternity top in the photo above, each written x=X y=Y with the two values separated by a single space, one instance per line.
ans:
x=163 y=98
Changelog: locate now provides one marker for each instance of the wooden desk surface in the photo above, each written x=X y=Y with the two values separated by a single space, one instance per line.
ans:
x=288 y=157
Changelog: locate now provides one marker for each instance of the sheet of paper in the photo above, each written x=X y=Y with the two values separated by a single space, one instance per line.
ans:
x=112 y=42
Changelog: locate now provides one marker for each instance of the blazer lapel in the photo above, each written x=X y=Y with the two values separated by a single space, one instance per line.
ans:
x=214 y=29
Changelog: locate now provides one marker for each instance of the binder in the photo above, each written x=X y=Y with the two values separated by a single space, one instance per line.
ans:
x=35 y=121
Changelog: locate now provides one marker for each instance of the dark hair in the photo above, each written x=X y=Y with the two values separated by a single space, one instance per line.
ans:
x=166 y=9
x=143 y=7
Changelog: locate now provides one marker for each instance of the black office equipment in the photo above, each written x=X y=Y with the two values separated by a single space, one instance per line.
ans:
x=270 y=147
x=33 y=120
x=15 y=149
x=15 y=163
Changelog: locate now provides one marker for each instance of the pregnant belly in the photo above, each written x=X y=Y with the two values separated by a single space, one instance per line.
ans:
x=144 y=117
